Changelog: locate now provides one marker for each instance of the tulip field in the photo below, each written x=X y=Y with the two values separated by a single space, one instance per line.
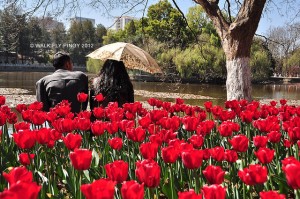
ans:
x=171 y=150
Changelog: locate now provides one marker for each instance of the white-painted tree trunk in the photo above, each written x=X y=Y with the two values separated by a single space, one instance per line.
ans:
x=238 y=83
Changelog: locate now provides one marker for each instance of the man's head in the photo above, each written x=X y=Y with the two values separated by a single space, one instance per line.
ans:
x=62 y=60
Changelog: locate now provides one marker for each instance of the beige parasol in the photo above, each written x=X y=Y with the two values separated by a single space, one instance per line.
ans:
x=132 y=56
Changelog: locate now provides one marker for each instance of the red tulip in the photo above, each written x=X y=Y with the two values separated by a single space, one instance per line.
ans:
x=169 y=154
x=292 y=174
x=136 y=134
x=190 y=123
x=2 y=100
x=18 y=174
x=214 y=191
x=99 y=189
x=205 y=127
x=156 y=115
x=72 y=141
x=115 y=143
x=98 y=112
x=25 y=139
x=132 y=190
x=196 y=140
x=208 y=105
x=2 y=118
x=98 y=127
x=294 y=133
x=99 y=97
x=82 y=124
x=82 y=97
x=64 y=125
x=22 y=126
x=25 y=158
x=148 y=172
x=36 y=106
x=38 y=117
x=24 y=190
x=231 y=156
x=21 y=107
x=189 y=195
x=260 y=141
x=227 y=128
x=264 y=155
x=214 y=174
x=218 y=153
x=145 y=121
x=271 y=195
x=247 y=116
x=152 y=101
x=239 y=143
x=12 y=118
x=192 y=159
x=149 y=150
x=112 y=127
x=81 y=159
x=43 y=135
x=274 y=136
x=255 y=174
x=117 y=171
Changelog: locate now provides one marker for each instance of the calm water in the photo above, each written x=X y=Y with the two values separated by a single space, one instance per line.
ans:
x=26 y=80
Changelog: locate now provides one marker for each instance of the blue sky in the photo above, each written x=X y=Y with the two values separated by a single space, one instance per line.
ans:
x=274 y=17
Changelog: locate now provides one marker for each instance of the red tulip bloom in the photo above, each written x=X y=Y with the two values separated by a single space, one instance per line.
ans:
x=179 y=101
x=22 y=126
x=205 y=127
x=25 y=139
x=208 y=105
x=21 y=107
x=112 y=127
x=136 y=134
x=255 y=174
x=12 y=118
x=64 y=125
x=214 y=174
x=117 y=171
x=152 y=101
x=247 y=116
x=99 y=97
x=82 y=97
x=227 y=128
x=145 y=121
x=98 y=127
x=25 y=158
x=260 y=141
x=264 y=155
x=192 y=159
x=99 y=189
x=292 y=174
x=99 y=112
x=239 y=143
x=218 y=153
x=148 y=172
x=38 y=117
x=231 y=156
x=2 y=100
x=167 y=135
x=81 y=159
x=156 y=115
x=189 y=195
x=132 y=190
x=170 y=154
x=116 y=143
x=124 y=124
x=2 y=118
x=36 y=106
x=214 y=191
x=18 y=174
x=72 y=141
x=294 y=133
x=24 y=190
x=82 y=124
x=271 y=195
x=149 y=150
x=190 y=123
x=274 y=136
x=196 y=140
x=43 y=135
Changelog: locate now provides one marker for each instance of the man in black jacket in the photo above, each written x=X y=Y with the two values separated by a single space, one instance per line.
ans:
x=63 y=84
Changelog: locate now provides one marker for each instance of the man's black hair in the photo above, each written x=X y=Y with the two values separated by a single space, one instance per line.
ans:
x=60 y=59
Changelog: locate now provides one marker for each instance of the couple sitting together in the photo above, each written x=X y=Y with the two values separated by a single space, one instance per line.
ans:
x=64 y=84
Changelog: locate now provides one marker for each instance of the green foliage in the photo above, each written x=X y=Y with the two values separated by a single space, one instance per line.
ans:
x=101 y=31
x=94 y=65
x=260 y=62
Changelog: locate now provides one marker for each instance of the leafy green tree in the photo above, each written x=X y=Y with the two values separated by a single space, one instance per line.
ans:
x=101 y=31
x=58 y=36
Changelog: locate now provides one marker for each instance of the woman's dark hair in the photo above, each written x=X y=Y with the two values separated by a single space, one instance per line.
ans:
x=60 y=59
x=114 y=83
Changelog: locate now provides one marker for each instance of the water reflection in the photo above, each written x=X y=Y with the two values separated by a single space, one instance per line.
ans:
x=27 y=80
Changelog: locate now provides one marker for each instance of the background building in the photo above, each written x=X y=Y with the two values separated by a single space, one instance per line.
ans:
x=120 y=22
x=82 y=19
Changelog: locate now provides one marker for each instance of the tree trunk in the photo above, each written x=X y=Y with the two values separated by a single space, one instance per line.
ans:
x=238 y=83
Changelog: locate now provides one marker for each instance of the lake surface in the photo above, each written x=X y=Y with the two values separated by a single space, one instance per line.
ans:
x=195 y=94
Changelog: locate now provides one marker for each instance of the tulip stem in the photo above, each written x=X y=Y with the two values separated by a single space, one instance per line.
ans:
x=171 y=180
x=297 y=193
